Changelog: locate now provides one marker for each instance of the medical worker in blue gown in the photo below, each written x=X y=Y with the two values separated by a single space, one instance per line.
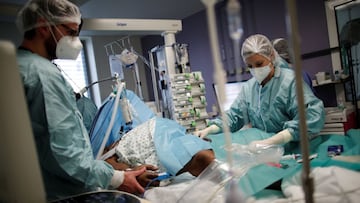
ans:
x=282 y=48
x=268 y=100
x=50 y=29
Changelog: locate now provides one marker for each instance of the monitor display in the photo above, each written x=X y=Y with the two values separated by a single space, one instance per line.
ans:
x=232 y=89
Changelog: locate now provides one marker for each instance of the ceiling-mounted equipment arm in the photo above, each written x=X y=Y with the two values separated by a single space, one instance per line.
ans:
x=131 y=26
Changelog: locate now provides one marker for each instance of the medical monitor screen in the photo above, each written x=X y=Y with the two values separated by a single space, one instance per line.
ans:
x=232 y=89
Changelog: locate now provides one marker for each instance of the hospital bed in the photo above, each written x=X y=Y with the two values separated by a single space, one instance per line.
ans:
x=336 y=178
x=333 y=156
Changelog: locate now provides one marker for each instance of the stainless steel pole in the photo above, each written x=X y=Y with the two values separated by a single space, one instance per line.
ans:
x=293 y=34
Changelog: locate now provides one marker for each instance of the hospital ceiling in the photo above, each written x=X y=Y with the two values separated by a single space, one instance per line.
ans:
x=145 y=9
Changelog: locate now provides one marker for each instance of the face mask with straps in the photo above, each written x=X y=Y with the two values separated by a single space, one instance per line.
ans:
x=68 y=47
x=260 y=73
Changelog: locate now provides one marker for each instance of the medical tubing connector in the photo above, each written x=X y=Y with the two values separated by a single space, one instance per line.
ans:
x=120 y=87
x=125 y=110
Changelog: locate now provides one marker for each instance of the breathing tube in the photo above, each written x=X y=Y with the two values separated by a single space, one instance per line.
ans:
x=235 y=30
x=120 y=87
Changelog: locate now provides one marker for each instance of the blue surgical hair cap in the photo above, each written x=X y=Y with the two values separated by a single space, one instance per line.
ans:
x=53 y=12
x=257 y=44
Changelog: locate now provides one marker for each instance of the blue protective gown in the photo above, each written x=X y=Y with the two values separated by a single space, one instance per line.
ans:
x=88 y=110
x=62 y=142
x=274 y=107
x=306 y=77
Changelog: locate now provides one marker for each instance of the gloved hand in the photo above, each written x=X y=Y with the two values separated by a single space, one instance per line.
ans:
x=209 y=130
x=280 y=138
x=130 y=184
x=257 y=145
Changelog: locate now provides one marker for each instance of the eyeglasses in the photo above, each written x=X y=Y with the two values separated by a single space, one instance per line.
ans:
x=70 y=31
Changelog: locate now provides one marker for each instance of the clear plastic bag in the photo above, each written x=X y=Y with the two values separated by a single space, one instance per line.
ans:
x=246 y=157
x=218 y=182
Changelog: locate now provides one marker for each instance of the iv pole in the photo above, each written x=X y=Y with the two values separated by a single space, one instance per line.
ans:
x=219 y=72
x=293 y=33
x=233 y=194
x=137 y=76
x=121 y=44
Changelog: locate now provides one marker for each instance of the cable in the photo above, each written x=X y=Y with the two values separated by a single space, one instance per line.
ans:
x=83 y=90
x=162 y=176
x=219 y=73
x=65 y=74
x=120 y=87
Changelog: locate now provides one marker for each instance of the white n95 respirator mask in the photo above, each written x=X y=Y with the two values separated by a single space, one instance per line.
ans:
x=260 y=73
x=68 y=47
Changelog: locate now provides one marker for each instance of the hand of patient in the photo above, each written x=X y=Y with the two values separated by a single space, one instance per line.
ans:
x=143 y=178
x=150 y=173
x=130 y=183
x=137 y=178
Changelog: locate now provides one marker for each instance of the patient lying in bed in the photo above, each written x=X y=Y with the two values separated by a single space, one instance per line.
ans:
x=159 y=143
x=163 y=146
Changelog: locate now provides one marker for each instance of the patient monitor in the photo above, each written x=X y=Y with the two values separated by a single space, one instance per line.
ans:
x=19 y=163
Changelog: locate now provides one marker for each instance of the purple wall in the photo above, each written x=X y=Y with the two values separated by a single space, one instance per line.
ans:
x=268 y=18
x=259 y=16
x=196 y=35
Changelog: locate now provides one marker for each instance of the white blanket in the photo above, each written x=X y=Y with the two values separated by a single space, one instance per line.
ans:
x=331 y=184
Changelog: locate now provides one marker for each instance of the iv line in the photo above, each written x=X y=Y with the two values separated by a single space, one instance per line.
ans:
x=219 y=73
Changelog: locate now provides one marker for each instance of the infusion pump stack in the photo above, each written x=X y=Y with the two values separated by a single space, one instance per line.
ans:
x=182 y=91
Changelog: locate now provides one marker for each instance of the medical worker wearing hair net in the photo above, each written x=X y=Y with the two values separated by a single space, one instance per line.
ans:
x=50 y=29
x=268 y=100
x=282 y=48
